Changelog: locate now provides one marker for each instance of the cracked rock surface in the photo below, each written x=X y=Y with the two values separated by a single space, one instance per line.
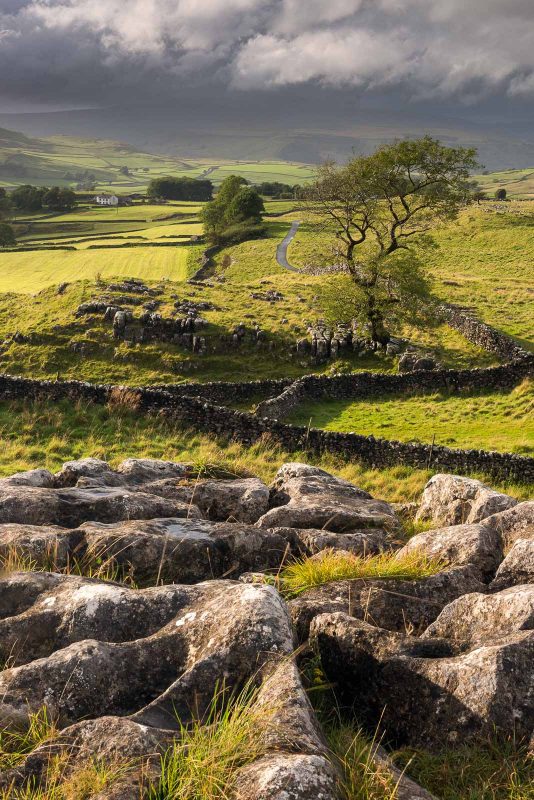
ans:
x=130 y=597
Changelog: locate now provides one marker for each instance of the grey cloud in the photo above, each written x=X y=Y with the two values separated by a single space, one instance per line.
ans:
x=94 y=51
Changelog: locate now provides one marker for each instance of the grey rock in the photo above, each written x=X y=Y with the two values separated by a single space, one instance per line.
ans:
x=514 y=523
x=476 y=618
x=478 y=544
x=419 y=692
x=454 y=500
x=241 y=500
x=305 y=497
x=517 y=567
x=70 y=507
x=143 y=470
x=39 y=478
x=391 y=604
x=94 y=468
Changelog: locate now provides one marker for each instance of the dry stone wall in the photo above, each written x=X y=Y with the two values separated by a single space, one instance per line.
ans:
x=199 y=414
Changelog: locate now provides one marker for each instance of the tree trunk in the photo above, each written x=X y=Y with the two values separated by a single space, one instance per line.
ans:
x=379 y=333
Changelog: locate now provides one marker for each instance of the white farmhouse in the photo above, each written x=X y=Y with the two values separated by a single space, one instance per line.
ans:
x=107 y=200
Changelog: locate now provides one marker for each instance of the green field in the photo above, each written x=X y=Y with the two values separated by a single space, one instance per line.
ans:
x=519 y=183
x=483 y=262
x=48 y=434
x=491 y=421
x=31 y=271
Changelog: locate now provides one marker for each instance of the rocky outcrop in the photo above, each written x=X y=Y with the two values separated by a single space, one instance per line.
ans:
x=454 y=500
x=122 y=615
x=310 y=498
x=163 y=652
x=419 y=691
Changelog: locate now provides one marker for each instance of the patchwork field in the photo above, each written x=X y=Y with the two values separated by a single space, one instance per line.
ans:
x=66 y=161
x=518 y=183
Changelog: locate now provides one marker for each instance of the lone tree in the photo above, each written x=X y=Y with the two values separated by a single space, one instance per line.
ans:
x=236 y=212
x=382 y=208
x=500 y=194
x=7 y=236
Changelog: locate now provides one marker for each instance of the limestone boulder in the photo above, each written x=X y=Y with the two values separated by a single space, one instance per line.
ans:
x=38 y=546
x=162 y=652
x=70 y=507
x=239 y=500
x=144 y=470
x=419 y=691
x=305 y=497
x=478 y=544
x=394 y=605
x=476 y=618
x=39 y=478
x=93 y=468
x=455 y=500
x=517 y=567
x=515 y=523
x=185 y=550
x=310 y=541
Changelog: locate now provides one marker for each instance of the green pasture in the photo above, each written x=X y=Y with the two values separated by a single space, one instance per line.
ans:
x=31 y=271
x=483 y=261
x=48 y=434
x=501 y=421
x=517 y=182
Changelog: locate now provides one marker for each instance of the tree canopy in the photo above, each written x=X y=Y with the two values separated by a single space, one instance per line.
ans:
x=28 y=198
x=58 y=199
x=381 y=209
x=7 y=235
x=180 y=188
x=235 y=213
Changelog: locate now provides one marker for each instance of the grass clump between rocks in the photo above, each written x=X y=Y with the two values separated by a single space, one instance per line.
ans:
x=16 y=744
x=204 y=760
x=493 y=770
x=338 y=565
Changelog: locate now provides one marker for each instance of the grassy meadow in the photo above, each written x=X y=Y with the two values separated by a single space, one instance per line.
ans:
x=482 y=262
x=501 y=421
x=48 y=434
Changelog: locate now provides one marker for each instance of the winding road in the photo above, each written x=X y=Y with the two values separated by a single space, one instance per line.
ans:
x=281 y=250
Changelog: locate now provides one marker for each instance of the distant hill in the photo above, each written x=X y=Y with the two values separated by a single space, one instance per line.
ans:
x=68 y=160
x=249 y=129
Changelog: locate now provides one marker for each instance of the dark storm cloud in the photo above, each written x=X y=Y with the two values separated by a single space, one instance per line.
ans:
x=102 y=51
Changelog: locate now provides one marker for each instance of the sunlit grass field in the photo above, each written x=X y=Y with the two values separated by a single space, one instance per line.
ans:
x=483 y=261
x=501 y=421
x=31 y=271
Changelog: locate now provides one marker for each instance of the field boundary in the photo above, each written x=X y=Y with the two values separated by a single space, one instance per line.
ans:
x=199 y=414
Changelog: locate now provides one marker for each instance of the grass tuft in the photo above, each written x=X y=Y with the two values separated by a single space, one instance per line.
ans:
x=335 y=565
x=495 y=770
x=203 y=763
x=98 y=565
x=16 y=744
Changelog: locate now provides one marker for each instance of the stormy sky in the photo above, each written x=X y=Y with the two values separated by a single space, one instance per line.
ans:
x=473 y=54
